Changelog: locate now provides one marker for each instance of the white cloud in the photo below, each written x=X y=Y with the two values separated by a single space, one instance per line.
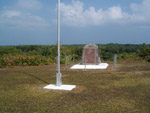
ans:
x=74 y=14
x=21 y=15
x=15 y=17
x=29 y=4
x=141 y=12
x=144 y=7
x=115 y=13
x=10 y=13
x=71 y=14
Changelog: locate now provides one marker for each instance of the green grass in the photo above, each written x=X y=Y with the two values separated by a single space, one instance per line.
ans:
x=126 y=90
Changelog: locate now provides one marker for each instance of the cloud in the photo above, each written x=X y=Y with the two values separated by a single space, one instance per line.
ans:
x=74 y=14
x=24 y=15
x=10 y=13
x=141 y=12
x=29 y=4
x=16 y=18
x=144 y=7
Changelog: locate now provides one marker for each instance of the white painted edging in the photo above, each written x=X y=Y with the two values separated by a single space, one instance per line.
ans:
x=62 y=87
x=100 y=66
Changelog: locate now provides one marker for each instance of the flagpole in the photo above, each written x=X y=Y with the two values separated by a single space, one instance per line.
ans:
x=58 y=76
x=58 y=85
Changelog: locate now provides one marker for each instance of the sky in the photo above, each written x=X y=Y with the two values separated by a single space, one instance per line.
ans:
x=34 y=22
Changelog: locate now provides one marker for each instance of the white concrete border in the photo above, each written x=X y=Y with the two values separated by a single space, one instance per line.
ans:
x=100 y=66
x=62 y=87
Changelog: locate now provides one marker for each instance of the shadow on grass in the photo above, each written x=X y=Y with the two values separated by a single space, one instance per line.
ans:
x=35 y=77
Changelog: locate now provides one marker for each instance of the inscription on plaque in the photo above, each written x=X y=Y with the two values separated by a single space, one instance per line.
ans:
x=90 y=55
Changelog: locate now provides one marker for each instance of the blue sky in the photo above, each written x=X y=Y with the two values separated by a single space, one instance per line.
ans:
x=26 y=22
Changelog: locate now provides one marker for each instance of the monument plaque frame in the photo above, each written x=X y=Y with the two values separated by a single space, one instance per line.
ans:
x=91 y=53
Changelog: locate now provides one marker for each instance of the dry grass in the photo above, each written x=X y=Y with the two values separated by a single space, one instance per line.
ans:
x=125 y=90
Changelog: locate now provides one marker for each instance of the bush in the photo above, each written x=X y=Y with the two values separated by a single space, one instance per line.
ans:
x=131 y=56
x=24 y=60
x=145 y=52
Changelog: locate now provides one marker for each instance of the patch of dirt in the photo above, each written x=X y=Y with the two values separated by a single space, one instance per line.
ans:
x=78 y=89
x=65 y=75
x=39 y=89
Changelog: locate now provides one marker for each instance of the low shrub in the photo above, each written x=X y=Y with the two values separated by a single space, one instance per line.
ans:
x=19 y=60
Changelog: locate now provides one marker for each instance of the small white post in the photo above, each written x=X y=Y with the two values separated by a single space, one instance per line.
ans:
x=84 y=62
x=115 y=61
x=66 y=61
x=73 y=58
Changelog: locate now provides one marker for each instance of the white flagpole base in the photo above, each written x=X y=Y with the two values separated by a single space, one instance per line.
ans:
x=62 y=87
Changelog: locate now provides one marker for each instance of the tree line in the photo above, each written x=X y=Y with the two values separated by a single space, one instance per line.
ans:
x=44 y=55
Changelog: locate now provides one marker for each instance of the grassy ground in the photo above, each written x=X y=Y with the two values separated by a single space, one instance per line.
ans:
x=125 y=90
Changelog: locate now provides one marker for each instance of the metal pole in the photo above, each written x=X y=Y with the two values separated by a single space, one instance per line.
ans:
x=84 y=62
x=73 y=58
x=115 y=61
x=58 y=76
x=57 y=64
x=66 y=62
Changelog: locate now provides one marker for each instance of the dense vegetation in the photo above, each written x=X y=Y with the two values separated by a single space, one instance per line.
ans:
x=145 y=52
x=44 y=55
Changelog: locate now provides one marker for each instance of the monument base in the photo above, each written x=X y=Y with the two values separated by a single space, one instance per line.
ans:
x=100 y=66
x=62 y=87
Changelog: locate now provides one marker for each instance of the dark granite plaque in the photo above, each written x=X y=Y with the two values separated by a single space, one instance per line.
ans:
x=90 y=55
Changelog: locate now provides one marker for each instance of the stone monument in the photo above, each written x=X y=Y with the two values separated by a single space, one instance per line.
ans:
x=90 y=59
x=90 y=55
